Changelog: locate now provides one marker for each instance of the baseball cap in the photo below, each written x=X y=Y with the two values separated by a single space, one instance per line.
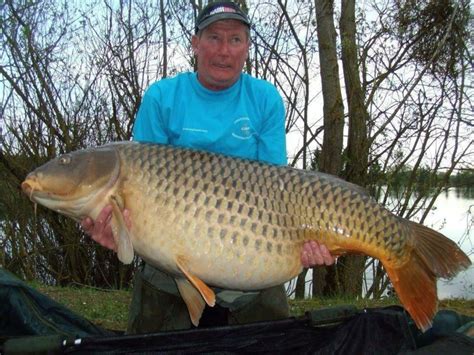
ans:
x=220 y=10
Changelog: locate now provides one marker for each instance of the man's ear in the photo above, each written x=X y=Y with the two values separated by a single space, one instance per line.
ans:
x=195 y=43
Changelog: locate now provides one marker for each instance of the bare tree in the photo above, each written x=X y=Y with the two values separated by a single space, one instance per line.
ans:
x=414 y=69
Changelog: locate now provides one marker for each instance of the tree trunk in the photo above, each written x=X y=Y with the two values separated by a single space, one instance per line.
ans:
x=351 y=268
x=331 y=157
x=300 y=284
x=331 y=160
x=357 y=146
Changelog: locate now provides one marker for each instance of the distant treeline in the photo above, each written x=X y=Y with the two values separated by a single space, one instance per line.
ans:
x=425 y=179
x=464 y=178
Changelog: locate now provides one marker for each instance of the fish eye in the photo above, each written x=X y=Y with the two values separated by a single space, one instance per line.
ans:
x=64 y=160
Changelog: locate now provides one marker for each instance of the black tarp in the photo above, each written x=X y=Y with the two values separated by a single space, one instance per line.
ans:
x=25 y=311
x=371 y=332
x=31 y=322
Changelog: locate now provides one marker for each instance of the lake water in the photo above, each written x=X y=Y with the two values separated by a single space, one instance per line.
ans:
x=451 y=216
x=454 y=211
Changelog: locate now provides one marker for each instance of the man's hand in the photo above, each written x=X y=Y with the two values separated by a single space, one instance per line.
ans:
x=315 y=254
x=100 y=230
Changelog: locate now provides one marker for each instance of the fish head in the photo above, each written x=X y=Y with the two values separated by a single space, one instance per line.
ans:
x=68 y=183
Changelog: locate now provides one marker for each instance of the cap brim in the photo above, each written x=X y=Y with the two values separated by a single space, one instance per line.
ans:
x=224 y=16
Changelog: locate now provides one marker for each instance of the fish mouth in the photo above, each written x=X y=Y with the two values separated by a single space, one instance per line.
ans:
x=31 y=188
x=70 y=207
x=35 y=191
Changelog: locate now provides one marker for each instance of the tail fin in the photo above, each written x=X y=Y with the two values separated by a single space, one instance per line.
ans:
x=433 y=256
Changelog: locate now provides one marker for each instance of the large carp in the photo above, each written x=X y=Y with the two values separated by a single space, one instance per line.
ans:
x=207 y=219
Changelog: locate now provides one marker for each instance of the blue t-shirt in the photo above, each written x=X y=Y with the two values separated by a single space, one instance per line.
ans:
x=246 y=120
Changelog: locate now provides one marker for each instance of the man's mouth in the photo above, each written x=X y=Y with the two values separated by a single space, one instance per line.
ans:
x=222 y=66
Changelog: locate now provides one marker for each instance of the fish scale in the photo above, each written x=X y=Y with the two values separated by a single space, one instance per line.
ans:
x=243 y=180
x=208 y=219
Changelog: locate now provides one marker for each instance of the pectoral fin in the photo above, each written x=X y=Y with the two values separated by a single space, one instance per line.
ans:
x=121 y=234
x=192 y=298
x=200 y=285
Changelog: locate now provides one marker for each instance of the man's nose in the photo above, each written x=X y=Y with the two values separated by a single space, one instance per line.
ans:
x=224 y=48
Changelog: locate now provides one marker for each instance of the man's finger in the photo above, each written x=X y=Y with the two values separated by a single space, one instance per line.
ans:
x=305 y=259
x=104 y=215
x=86 y=224
x=317 y=258
x=326 y=255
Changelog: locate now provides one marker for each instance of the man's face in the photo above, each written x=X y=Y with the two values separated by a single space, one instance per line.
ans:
x=221 y=50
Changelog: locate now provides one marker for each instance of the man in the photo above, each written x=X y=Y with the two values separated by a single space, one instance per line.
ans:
x=222 y=110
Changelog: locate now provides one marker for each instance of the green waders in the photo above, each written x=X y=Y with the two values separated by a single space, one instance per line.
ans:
x=156 y=305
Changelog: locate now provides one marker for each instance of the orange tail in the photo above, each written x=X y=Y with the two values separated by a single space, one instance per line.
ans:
x=433 y=255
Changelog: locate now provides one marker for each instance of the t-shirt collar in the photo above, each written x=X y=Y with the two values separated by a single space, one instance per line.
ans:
x=197 y=84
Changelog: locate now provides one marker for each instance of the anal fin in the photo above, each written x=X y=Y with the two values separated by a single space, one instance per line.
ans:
x=206 y=292
x=192 y=298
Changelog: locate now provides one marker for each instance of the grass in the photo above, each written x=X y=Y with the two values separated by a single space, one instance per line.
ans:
x=109 y=308
x=299 y=307
x=105 y=308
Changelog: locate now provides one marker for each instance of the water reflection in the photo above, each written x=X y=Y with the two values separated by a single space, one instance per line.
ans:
x=453 y=217
x=461 y=192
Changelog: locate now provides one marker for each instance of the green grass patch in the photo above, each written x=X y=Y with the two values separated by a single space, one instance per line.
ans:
x=109 y=308
x=106 y=308
x=459 y=305
x=299 y=307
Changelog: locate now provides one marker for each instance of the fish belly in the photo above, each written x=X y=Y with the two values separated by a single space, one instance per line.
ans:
x=240 y=224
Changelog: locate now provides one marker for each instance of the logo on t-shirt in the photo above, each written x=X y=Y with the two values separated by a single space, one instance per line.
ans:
x=243 y=128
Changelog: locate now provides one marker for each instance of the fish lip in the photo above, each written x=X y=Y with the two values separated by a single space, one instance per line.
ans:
x=26 y=187
x=35 y=192
x=30 y=188
x=55 y=202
